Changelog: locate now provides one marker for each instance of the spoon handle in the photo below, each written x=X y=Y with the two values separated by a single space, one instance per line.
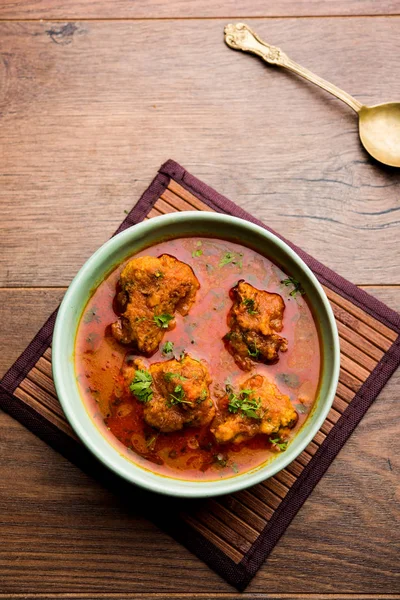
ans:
x=241 y=37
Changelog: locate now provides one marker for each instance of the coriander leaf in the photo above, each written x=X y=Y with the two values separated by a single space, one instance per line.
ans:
x=202 y=397
x=234 y=403
x=226 y=259
x=196 y=253
x=159 y=274
x=279 y=443
x=170 y=376
x=168 y=348
x=178 y=397
x=246 y=392
x=253 y=352
x=242 y=402
x=163 y=320
x=152 y=441
x=297 y=287
x=231 y=257
x=250 y=306
x=141 y=386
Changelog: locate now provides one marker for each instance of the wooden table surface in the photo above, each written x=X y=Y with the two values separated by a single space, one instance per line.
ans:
x=94 y=96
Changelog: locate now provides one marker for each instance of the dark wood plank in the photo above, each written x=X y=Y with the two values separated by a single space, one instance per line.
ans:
x=200 y=596
x=91 y=110
x=153 y=9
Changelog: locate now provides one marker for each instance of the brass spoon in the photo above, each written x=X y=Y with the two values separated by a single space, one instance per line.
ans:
x=379 y=125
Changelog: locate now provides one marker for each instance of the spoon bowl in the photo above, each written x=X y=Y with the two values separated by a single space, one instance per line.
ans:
x=379 y=128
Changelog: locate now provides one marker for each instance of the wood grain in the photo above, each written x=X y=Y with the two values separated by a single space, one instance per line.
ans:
x=66 y=534
x=178 y=9
x=200 y=596
x=89 y=112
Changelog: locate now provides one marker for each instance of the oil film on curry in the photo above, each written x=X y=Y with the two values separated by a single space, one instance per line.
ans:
x=198 y=358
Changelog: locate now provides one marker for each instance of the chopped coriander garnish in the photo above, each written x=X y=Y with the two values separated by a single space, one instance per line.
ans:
x=141 y=386
x=227 y=258
x=178 y=397
x=297 y=287
x=196 y=253
x=168 y=348
x=202 y=397
x=244 y=403
x=253 y=351
x=246 y=392
x=231 y=257
x=163 y=320
x=159 y=274
x=278 y=443
x=170 y=376
x=151 y=441
x=250 y=306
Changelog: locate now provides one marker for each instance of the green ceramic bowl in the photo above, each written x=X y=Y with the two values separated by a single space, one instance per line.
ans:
x=135 y=239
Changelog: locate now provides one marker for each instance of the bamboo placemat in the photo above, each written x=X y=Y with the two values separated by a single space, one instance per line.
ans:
x=235 y=533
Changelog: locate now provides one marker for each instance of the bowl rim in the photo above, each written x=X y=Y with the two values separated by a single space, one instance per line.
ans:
x=112 y=458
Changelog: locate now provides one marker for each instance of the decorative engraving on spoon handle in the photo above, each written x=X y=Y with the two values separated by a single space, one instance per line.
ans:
x=242 y=37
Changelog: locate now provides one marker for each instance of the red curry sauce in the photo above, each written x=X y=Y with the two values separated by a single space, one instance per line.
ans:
x=193 y=453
